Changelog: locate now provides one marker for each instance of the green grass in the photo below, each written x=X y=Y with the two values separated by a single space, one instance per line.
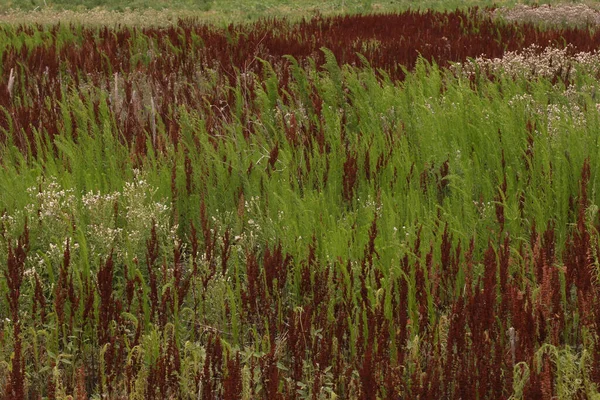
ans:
x=227 y=11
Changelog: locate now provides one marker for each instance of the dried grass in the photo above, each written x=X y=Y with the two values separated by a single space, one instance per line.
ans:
x=102 y=17
x=552 y=15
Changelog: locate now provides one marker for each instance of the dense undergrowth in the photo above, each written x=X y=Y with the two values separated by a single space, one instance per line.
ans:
x=260 y=212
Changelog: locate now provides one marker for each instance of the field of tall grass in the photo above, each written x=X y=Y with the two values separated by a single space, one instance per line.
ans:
x=348 y=207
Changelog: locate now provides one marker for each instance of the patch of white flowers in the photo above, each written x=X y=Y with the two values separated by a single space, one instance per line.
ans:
x=550 y=15
x=101 y=231
x=53 y=255
x=51 y=216
x=534 y=62
x=564 y=117
x=119 y=221
x=141 y=211
x=52 y=204
x=485 y=208
x=248 y=238
x=557 y=117
x=9 y=224
x=371 y=204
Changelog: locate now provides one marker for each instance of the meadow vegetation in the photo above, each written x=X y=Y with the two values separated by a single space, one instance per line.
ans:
x=354 y=207
x=224 y=12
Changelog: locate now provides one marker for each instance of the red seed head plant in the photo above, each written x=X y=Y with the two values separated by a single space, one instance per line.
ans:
x=174 y=193
x=306 y=270
x=132 y=369
x=253 y=295
x=342 y=310
x=550 y=297
x=107 y=304
x=316 y=384
x=129 y=287
x=544 y=382
x=321 y=293
x=446 y=251
x=81 y=392
x=400 y=315
x=367 y=164
x=226 y=250
x=151 y=258
x=521 y=202
x=166 y=306
x=270 y=374
x=350 y=176
x=481 y=310
x=156 y=380
x=210 y=242
x=529 y=150
x=298 y=341
x=503 y=266
x=433 y=275
x=61 y=291
x=291 y=130
x=232 y=384
x=326 y=171
x=456 y=349
x=88 y=304
x=15 y=268
x=3 y=227
x=182 y=283
x=489 y=284
x=213 y=368
x=523 y=322
x=323 y=347
x=381 y=337
x=109 y=310
x=443 y=181
x=195 y=248
x=71 y=292
x=273 y=155
x=370 y=249
x=468 y=266
x=595 y=373
x=188 y=174
x=366 y=372
x=499 y=203
x=577 y=256
x=421 y=298
x=275 y=266
x=595 y=370
x=50 y=385
x=424 y=177
x=39 y=300
x=173 y=368
x=447 y=269
x=74 y=298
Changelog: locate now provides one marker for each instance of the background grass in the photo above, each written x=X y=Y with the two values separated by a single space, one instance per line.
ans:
x=227 y=11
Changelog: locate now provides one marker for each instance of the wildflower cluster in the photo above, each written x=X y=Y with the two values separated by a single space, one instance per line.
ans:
x=56 y=215
x=141 y=211
x=534 y=62
x=556 y=117
x=559 y=15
